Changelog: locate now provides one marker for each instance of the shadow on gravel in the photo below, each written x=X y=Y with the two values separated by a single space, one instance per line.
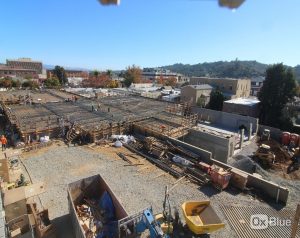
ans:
x=265 y=198
x=208 y=190
x=63 y=226
x=232 y=190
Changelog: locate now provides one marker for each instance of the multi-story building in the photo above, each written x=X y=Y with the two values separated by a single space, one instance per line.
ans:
x=231 y=88
x=181 y=79
x=8 y=71
x=256 y=84
x=26 y=63
x=196 y=94
x=71 y=74
x=157 y=74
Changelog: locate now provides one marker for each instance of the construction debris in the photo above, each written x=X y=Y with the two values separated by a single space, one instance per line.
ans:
x=97 y=208
x=170 y=158
x=130 y=163
x=284 y=158
x=44 y=227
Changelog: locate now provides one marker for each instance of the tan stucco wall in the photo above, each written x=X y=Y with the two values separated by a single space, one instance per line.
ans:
x=190 y=94
x=237 y=87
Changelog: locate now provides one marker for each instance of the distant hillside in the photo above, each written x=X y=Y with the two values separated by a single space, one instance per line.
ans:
x=297 y=72
x=232 y=69
x=48 y=66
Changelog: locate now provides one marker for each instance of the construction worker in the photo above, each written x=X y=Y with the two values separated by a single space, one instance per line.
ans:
x=3 y=142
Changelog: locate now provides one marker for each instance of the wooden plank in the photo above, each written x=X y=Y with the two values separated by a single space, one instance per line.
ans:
x=18 y=194
x=4 y=170
x=15 y=233
x=146 y=167
x=161 y=174
x=31 y=219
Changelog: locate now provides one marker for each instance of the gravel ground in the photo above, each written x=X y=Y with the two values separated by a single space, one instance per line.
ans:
x=136 y=188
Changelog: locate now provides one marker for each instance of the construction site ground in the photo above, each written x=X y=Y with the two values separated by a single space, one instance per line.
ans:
x=137 y=187
x=243 y=160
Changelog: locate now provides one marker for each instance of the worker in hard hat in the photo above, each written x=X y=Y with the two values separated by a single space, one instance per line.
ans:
x=3 y=142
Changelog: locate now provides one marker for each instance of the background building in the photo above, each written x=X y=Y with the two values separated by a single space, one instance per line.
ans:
x=26 y=63
x=157 y=74
x=242 y=106
x=8 y=71
x=192 y=93
x=71 y=74
x=231 y=88
x=256 y=84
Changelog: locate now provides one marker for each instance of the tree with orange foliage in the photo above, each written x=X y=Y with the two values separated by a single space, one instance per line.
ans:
x=97 y=81
x=113 y=84
x=160 y=80
x=171 y=81
x=133 y=74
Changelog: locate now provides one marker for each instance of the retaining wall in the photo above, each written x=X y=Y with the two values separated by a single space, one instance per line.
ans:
x=220 y=147
x=268 y=188
x=205 y=155
x=226 y=120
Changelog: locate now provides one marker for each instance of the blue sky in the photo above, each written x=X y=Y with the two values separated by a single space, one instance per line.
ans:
x=83 y=33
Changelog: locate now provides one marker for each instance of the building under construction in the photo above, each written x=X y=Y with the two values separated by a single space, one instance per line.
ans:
x=183 y=141
x=33 y=114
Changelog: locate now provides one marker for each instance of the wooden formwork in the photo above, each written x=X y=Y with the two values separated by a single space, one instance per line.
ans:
x=98 y=119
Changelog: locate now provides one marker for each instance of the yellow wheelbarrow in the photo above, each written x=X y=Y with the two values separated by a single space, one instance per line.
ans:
x=200 y=217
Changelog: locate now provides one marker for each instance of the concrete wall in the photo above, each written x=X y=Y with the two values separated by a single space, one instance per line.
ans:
x=221 y=148
x=246 y=110
x=226 y=120
x=270 y=189
x=205 y=155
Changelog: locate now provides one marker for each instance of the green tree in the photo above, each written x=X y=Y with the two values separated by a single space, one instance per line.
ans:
x=201 y=101
x=109 y=73
x=279 y=88
x=216 y=100
x=60 y=73
x=52 y=82
x=96 y=73
x=30 y=84
x=16 y=83
x=133 y=74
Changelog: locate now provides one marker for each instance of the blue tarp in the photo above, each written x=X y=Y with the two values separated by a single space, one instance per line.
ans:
x=107 y=207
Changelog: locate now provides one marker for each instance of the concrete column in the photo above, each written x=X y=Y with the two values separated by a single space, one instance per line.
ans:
x=250 y=131
x=257 y=125
x=242 y=138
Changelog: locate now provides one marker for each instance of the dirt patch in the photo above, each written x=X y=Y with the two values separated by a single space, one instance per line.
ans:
x=282 y=161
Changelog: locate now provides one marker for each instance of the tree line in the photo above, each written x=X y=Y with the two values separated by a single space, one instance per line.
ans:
x=227 y=69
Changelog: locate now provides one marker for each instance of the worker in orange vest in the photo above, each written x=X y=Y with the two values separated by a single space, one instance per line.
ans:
x=3 y=142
